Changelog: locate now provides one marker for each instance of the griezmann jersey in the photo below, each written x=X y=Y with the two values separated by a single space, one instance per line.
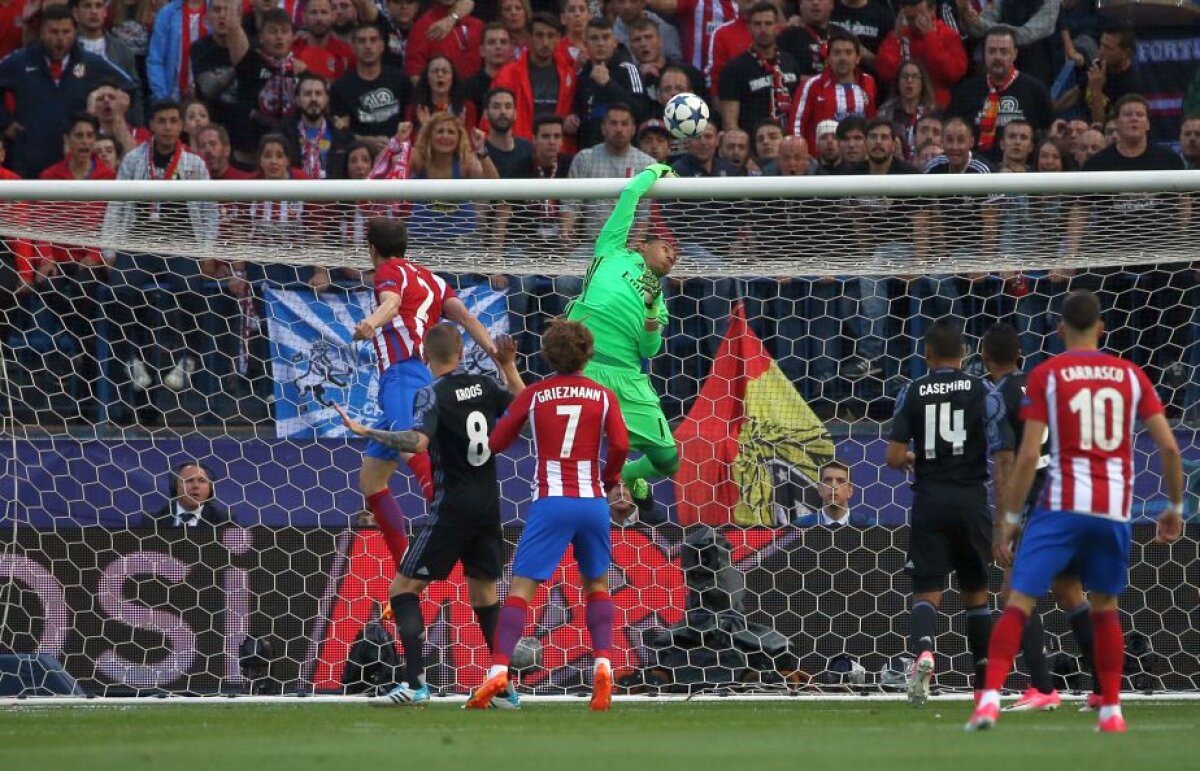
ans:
x=422 y=296
x=1089 y=400
x=456 y=412
x=570 y=414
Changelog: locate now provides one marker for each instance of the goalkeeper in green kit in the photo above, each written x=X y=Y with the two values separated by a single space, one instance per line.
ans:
x=622 y=304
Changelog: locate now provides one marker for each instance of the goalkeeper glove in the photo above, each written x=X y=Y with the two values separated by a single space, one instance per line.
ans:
x=651 y=286
x=662 y=170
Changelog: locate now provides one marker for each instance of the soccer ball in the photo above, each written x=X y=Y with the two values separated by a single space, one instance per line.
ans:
x=686 y=116
x=527 y=654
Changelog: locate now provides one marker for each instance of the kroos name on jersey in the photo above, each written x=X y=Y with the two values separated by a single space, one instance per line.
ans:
x=470 y=392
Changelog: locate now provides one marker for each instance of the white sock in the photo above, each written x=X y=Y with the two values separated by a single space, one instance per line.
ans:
x=603 y=661
x=1108 y=711
x=988 y=698
x=496 y=669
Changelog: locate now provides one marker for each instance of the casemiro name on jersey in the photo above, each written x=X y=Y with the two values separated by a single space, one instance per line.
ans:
x=927 y=389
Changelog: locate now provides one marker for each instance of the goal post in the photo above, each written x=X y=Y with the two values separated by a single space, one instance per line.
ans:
x=147 y=326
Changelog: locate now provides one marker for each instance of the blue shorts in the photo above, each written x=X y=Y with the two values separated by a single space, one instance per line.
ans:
x=398 y=386
x=554 y=523
x=1053 y=539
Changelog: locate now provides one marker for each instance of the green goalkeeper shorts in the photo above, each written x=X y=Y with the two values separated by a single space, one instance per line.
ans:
x=640 y=406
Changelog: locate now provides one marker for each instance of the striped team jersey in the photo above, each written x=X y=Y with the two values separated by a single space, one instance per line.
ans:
x=422 y=295
x=570 y=415
x=1089 y=400
x=698 y=20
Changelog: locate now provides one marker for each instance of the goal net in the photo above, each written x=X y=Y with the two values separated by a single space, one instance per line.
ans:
x=162 y=342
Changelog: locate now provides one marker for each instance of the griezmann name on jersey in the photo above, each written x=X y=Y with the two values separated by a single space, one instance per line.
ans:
x=1090 y=400
x=570 y=415
x=422 y=295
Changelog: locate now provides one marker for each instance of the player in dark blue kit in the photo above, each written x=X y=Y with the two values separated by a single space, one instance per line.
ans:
x=452 y=418
x=952 y=420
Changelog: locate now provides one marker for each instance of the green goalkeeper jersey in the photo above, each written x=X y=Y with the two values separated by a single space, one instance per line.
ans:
x=611 y=304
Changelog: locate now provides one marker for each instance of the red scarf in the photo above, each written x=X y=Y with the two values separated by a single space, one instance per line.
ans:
x=56 y=68
x=991 y=111
x=312 y=154
x=172 y=168
x=781 y=97
x=278 y=97
x=910 y=133
x=393 y=162
x=190 y=18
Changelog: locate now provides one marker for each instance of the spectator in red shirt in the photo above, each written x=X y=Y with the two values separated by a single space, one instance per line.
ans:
x=544 y=62
x=68 y=278
x=920 y=35
x=316 y=45
x=79 y=163
x=698 y=21
x=728 y=41
x=11 y=28
x=212 y=143
x=840 y=91
x=574 y=17
x=461 y=46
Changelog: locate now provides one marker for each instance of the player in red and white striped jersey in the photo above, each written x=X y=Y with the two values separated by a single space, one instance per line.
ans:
x=422 y=296
x=571 y=416
x=410 y=300
x=1088 y=400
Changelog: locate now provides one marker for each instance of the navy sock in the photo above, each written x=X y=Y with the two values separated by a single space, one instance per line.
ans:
x=979 y=636
x=1033 y=646
x=922 y=619
x=1080 y=619
x=487 y=616
x=410 y=625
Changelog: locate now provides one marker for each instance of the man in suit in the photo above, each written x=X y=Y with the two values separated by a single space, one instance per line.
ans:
x=836 y=492
x=192 y=500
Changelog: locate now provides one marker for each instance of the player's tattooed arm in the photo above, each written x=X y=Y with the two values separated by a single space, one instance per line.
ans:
x=404 y=441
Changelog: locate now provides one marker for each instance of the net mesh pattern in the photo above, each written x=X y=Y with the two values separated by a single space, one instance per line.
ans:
x=134 y=340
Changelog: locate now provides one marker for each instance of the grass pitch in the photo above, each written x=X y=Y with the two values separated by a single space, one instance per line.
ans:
x=726 y=735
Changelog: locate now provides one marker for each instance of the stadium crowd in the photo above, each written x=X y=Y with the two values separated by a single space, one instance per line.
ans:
x=454 y=89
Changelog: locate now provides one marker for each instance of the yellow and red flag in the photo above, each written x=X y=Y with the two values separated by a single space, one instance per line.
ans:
x=750 y=448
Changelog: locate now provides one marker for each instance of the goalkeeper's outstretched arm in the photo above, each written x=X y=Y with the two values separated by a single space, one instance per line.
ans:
x=615 y=232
